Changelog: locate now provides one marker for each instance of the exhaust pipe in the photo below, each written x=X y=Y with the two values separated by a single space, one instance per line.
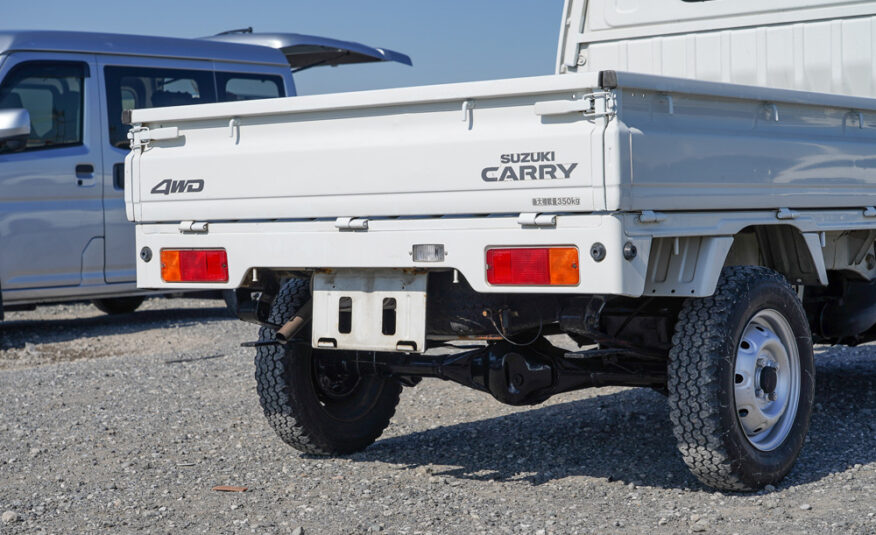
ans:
x=294 y=325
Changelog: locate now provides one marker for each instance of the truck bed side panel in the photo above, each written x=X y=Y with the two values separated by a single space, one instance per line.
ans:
x=703 y=152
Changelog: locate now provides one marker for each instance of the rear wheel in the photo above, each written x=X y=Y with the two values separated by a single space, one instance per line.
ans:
x=118 y=305
x=313 y=405
x=742 y=380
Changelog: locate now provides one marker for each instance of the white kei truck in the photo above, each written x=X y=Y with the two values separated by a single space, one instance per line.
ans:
x=691 y=198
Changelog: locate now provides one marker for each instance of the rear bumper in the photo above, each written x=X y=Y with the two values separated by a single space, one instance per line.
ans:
x=387 y=243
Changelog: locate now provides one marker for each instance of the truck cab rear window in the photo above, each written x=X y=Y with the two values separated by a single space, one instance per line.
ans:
x=141 y=87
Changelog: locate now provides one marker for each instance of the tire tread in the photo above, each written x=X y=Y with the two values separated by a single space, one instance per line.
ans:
x=280 y=408
x=694 y=381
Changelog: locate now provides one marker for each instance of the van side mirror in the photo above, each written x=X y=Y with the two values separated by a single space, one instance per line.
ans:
x=14 y=129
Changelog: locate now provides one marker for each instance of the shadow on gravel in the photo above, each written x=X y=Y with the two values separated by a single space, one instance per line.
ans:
x=15 y=334
x=627 y=436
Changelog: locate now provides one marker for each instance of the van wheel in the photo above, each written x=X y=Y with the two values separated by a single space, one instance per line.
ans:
x=313 y=406
x=118 y=305
x=742 y=380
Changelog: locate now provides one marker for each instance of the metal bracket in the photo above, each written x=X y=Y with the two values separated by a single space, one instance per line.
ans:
x=784 y=213
x=649 y=216
x=530 y=219
x=865 y=248
x=467 y=107
x=141 y=136
x=351 y=223
x=670 y=103
x=371 y=297
x=599 y=104
x=770 y=111
x=198 y=227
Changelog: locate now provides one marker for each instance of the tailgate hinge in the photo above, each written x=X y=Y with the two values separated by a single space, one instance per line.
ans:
x=784 y=213
x=197 y=227
x=649 y=216
x=141 y=136
x=351 y=223
x=531 y=219
x=598 y=104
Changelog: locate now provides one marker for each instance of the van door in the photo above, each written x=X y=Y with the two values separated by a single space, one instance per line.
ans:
x=51 y=221
x=134 y=82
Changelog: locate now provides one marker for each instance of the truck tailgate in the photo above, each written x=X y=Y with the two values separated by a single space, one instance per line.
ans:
x=471 y=148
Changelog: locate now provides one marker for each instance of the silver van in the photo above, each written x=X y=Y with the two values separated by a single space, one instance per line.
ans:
x=63 y=231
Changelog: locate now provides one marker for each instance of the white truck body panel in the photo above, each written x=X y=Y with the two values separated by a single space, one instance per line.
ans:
x=809 y=45
x=425 y=153
x=388 y=242
x=428 y=151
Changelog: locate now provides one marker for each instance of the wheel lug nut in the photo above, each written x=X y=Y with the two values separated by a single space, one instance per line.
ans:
x=772 y=396
x=758 y=393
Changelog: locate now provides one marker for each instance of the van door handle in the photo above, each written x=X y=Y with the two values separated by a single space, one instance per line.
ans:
x=84 y=171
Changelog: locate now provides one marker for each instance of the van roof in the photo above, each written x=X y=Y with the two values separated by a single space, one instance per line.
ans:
x=137 y=45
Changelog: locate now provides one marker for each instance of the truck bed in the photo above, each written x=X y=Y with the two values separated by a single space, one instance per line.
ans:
x=542 y=144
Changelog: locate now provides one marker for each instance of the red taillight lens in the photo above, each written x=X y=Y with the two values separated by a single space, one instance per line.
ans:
x=194 y=265
x=541 y=266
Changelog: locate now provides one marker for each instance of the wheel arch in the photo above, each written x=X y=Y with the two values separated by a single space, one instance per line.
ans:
x=783 y=248
x=690 y=266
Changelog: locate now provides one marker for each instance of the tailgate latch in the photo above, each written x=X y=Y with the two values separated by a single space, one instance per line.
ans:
x=591 y=105
x=141 y=136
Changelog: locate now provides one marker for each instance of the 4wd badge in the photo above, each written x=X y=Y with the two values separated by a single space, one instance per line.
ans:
x=168 y=186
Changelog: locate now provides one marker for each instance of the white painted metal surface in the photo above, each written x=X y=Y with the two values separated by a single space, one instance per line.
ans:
x=684 y=144
x=376 y=153
x=368 y=292
x=547 y=144
x=388 y=243
x=811 y=45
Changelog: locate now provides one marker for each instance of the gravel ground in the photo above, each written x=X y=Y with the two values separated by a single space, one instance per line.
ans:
x=125 y=424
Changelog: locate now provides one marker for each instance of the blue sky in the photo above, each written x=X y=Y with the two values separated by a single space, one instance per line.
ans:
x=449 y=40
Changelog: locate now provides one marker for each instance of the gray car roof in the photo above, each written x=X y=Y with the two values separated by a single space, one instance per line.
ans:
x=137 y=45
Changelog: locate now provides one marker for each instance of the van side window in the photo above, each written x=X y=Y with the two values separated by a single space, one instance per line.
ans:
x=239 y=86
x=141 y=87
x=52 y=93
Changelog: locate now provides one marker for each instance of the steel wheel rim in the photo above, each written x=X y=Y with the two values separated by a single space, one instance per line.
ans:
x=767 y=380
